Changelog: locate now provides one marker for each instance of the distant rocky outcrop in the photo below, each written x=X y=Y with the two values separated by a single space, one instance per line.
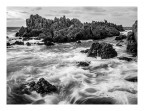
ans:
x=67 y=30
x=103 y=50
x=132 y=40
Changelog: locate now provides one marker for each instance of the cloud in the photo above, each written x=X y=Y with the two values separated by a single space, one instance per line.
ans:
x=25 y=12
x=117 y=14
x=38 y=8
x=65 y=11
x=94 y=9
x=15 y=19
x=49 y=15
x=98 y=13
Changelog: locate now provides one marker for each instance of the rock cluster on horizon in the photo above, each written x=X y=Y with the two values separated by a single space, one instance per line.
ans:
x=67 y=30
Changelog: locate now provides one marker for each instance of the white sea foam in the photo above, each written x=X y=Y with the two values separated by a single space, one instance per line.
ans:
x=103 y=78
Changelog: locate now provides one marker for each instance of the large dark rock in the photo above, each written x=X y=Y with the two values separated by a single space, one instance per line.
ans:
x=134 y=30
x=17 y=34
x=132 y=41
x=28 y=44
x=21 y=31
x=103 y=50
x=65 y=30
x=42 y=87
x=8 y=44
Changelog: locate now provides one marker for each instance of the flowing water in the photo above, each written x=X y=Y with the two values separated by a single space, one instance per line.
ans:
x=102 y=82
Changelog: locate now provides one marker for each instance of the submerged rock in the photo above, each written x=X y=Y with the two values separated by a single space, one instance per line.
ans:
x=131 y=78
x=78 y=41
x=8 y=44
x=28 y=44
x=48 y=43
x=99 y=100
x=40 y=43
x=18 y=43
x=84 y=51
x=83 y=64
x=103 y=50
x=125 y=58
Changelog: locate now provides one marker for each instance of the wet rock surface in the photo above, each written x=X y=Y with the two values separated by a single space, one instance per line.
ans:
x=125 y=58
x=28 y=44
x=85 y=51
x=18 y=43
x=42 y=87
x=132 y=40
x=63 y=29
x=83 y=64
x=103 y=50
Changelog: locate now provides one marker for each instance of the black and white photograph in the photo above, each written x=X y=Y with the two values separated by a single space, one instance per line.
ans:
x=71 y=55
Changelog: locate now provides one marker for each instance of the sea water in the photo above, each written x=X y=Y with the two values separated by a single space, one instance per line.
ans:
x=102 y=82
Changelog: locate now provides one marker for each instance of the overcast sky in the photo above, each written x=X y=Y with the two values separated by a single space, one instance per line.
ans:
x=125 y=16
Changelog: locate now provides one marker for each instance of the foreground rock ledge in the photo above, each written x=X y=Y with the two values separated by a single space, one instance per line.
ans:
x=103 y=50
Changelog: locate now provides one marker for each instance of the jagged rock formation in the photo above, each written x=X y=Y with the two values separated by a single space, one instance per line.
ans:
x=65 y=30
x=132 y=40
x=41 y=87
x=103 y=50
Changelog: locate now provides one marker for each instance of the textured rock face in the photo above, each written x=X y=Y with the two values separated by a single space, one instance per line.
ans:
x=36 y=22
x=42 y=87
x=21 y=32
x=132 y=40
x=65 y=30
x=48 y=43
x=134 y=29
x=103 y=50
